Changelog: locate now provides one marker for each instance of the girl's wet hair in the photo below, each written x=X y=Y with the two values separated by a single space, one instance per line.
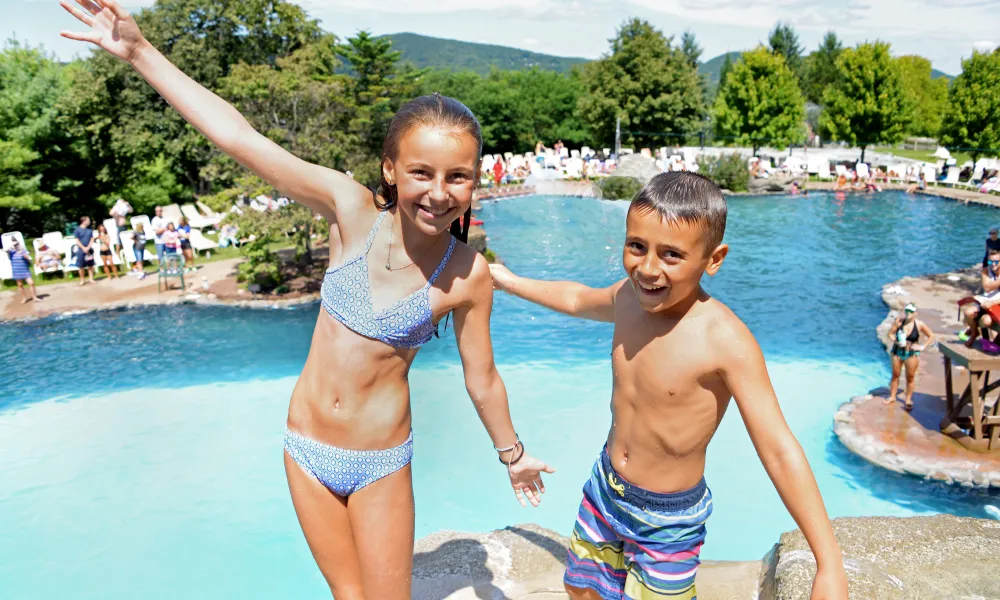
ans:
x=682 y=196
x=434 y=110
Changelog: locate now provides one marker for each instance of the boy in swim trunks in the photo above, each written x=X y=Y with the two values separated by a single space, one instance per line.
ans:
x=678 y=356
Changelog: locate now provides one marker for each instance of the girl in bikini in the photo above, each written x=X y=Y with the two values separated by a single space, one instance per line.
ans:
x=396 y=270
x=906 y=350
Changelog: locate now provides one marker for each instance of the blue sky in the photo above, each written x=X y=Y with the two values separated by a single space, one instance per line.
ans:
x=944 y=31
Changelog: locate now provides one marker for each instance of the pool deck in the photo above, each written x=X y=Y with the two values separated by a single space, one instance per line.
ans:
x=911 y=442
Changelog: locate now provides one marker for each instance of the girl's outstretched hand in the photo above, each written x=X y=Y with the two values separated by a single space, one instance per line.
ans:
x=501 y=277
x=111 y=27
x=526 y=479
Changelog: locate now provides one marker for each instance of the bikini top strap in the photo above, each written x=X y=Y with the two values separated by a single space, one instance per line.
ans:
x=371 y=234
x=444 y=262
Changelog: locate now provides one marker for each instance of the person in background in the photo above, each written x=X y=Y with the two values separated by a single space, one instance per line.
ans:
x=48 y=258
x=921 y=184
x=171 y=239
x=20 y=262
x=498 y=172
x=992 y=243
x=227 y=235
x=905 y=334
x=184 y=232
x=107 y=251
x=139 y=239
x=977 y=317
x=85 y=251
x=159 y=225
x=119 y=212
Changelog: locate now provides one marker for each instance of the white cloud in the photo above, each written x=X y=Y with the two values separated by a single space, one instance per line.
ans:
x=985 y=46
x=530 y=41
x=932 y=19
x=436 y=6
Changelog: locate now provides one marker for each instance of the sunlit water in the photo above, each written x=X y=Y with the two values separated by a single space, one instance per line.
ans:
x=141 y=449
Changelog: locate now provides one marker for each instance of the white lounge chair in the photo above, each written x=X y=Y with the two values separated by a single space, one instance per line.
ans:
x=112 y=228
x=952 y=177
x=199 y=242
x=841 y=170
x=195 y=219
x=173 y=213
x=128 y=247
x=862 y=170
x=824 y=171
x=976 y=176
x=930 y=174
x=7 y=240
x=207 y=211
x=6 y=269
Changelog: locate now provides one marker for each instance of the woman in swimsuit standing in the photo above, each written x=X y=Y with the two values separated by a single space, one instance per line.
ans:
x=905 y=334
x=395 y=272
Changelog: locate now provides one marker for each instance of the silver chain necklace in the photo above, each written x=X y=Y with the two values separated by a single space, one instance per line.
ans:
x=388 y=257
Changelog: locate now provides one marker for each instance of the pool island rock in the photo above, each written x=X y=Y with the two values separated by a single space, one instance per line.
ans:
x=887 y=558
x=912 y=442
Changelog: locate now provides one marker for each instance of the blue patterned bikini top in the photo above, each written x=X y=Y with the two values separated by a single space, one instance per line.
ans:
x=347 y=296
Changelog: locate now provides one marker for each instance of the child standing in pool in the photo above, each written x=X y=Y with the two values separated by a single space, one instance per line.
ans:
x=396 y=271
x=678 y=357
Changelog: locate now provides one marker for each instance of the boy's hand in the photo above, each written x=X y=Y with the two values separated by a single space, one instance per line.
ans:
x=111 y=27
x=526 y=479
x=830 y=584
x=502 y=277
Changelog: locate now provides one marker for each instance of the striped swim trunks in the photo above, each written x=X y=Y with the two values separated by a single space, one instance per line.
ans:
x=632 y=543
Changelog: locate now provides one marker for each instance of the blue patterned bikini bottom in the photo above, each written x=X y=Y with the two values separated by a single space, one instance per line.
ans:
x=344 y=472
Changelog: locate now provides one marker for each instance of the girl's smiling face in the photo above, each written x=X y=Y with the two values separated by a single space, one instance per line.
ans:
x=435 y=174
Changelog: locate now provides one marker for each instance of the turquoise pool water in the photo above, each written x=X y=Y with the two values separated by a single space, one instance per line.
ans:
x=131 y=467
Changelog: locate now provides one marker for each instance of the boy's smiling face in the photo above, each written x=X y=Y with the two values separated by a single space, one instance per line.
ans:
x=664 y=260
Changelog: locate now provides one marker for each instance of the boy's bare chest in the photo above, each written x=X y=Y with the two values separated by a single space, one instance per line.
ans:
x=669 y=361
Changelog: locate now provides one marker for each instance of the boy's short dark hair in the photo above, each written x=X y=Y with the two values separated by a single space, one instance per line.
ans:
x=682 y=196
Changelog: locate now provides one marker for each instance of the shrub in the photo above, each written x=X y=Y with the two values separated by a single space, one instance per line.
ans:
x=728 y=171
x=620 y=188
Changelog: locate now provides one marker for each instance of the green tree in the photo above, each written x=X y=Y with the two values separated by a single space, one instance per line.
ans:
x=821 y=67
x=38 y=161
x=784 y=41
x=126 y=127
x=724 y=70
x=380 y=86
x=517 y=108
x=646 y=82
x=972 y=122
x=761 y=102
x=866 y=104
x=927 y=97
x=691 y=49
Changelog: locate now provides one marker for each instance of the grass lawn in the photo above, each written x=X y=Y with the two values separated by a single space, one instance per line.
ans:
x=150 y=268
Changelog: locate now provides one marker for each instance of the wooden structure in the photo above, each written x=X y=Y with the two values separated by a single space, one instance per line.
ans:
x=983 y=425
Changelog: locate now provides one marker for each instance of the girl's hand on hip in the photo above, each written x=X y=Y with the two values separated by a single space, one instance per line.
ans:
x=526 y=479
x=111 y=27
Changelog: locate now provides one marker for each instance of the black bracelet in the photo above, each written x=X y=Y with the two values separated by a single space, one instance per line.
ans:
x=514 y=462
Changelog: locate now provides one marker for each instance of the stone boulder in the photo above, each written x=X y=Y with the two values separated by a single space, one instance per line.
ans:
x=892 y=558
x=638 y=167
x=527 y=562
x=776 y=183
x=477 y=239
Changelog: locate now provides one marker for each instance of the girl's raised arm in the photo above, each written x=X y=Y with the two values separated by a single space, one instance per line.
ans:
x=113 y=29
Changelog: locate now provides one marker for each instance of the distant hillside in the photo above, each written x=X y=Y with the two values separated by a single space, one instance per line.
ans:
x=935 y=74
x=712 y=68
x=440 y=53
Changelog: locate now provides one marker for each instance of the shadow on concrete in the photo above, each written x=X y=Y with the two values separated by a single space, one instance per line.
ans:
x=471 y=571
